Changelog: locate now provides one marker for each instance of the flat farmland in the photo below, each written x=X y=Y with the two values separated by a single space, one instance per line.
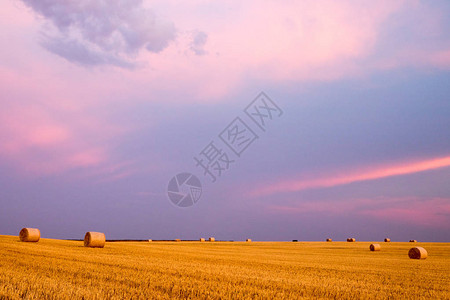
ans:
x=227 y=270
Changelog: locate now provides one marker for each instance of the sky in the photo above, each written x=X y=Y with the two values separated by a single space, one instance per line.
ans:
x=266 y=120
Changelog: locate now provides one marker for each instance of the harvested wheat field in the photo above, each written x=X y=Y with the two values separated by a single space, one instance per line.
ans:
x=230 y=270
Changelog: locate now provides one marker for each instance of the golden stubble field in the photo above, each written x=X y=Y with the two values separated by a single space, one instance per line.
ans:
x=60 y=269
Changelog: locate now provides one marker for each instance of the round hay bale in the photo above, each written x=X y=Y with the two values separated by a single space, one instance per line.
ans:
x=387 y=240
x=211 y=239
x=29 y=235
x=94 y=239
x=202 y=239
x=417 y=253
x=177 y=240
x=329 y=240
x=413 y=241
x=248 y=240
x=351 y=240
x=150 y=240
x=375 y=247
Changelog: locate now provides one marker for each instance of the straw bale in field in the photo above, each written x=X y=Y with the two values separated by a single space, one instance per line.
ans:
x=375 y=247
x=417 y=253
x=29 y=235
x=94 y=239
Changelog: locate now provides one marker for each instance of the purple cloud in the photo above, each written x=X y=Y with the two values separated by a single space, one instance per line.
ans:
x=101 y=32
x=199 y=39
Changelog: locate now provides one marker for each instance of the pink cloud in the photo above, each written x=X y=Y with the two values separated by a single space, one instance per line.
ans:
x=270 y=41
x=263 y=41
x=46 y=135
x=369 y=173
x=432 y=212
x=41 y=140
x=91 y=157
x=47 y=100
x=113 y=171
x=441 y=59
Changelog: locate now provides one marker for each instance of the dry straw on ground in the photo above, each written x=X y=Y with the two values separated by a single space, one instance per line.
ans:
x=351 y=240
x=387 y=240
x=211 y=239
x=202 y=239
x=413 y=241
x=61 y=269
x=29 y=235
x=375 y=247
x=94 y=239
x=417 y=253
x=329 y=240
x=248 y=240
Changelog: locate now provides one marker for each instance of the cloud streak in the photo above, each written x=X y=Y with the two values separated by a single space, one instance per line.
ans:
x=432 y=212
x=356 y=176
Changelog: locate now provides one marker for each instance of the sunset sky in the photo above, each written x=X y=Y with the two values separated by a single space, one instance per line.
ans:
x=103 y=102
